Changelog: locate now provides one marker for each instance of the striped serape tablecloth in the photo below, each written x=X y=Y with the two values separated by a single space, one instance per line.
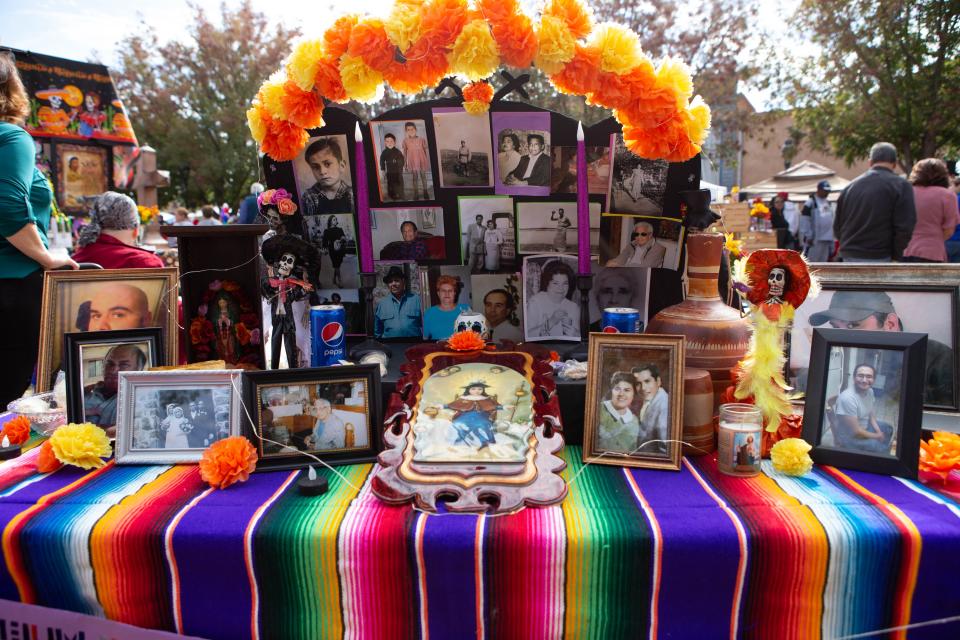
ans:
x=630 y=553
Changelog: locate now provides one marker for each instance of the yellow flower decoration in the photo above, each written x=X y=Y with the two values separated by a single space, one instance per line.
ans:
x=619 y=47
x=403 y=25
x=361 y=83
x=271 y=93
x=759 y=210
x=82 y=445
x=304 y=61
x=791 y=456
x=474 y=55
x=735 y=189
x=698 y=120
x=674 y=74
x=557 y=45
x=735 y=247
x=256 y=122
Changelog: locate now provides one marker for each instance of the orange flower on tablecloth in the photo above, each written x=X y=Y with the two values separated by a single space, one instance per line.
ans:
x=243 y=334
x=300 y=107
x=369 y=42
x=466 y=341
x=47 y=461
x=228 y=461
x=940 y=454
x=16 y=430
x=284 y=140
x=477 y=97
x=517 y=40
x=337 y=37
x=576 y=16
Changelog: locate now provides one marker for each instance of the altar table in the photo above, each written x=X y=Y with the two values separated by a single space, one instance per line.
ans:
x=630 y=553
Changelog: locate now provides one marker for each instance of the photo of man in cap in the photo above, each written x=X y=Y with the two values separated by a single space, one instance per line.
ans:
x=397 y=315
x=874 y=311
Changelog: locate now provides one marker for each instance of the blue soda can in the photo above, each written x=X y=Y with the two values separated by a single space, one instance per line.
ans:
x=620 y=320
x=327 y=335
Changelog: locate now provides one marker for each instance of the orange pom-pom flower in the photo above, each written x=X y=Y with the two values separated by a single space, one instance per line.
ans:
x=300 y=107
x=284 y=140
x=940 y=454
x=16 y=430
x=576 y=16
x=477 y=97
x=369 y=42
x=47 y=461
x=337 y=37
x=228 y=461
x=466 y=341
x=327 y=81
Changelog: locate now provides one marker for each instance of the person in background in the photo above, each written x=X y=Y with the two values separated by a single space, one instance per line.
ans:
x=210 y=216
x=25 y=199
x=248 y=207
x=953 y=242
x=791 y=213
x=110 y=240
x=181 y=218
x=817 y=225
x=778 y=220
x=937 y=214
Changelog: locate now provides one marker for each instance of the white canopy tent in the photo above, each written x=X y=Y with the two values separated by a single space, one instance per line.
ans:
x=799 y=181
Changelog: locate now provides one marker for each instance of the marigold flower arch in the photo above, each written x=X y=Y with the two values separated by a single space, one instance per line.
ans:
x=422 y=41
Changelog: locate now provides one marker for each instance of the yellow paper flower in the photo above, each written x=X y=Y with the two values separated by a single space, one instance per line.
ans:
x=82 y=445
x=304 y=61
x=674 y=74
x=619 y=47
x=474 y=55
x=557 y=45
x=257 y=122
x=735 y=247
x=361 y=83
x=403 y=25
x=271 y=94
x=697 y=120
x=791 y=456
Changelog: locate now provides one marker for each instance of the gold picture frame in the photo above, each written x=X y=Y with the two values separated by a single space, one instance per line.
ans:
x=625 y=429
x=68 y=305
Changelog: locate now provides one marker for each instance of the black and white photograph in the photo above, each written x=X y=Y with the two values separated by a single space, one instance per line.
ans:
x=334 y=235
x=500 y=299
x=324 y=181
x=169 y=417
x=330 y=412
x=396 y=301
x=563 y=174
x=640 y=241
x=552 y=226
x=402 y=234
x=488 y=233
x=551 y=301
x=403 y=160
x=445 y=292
x=637 y=185
x=522 y=163
x=350 y=299
x=621 y=287
x=463 y=148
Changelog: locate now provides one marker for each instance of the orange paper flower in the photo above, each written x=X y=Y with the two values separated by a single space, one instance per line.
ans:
x=466 y=341
x=337 y=38
x=940 y=454
x=228 y=461
x=517 y=40
x=327 y=81
x=369 y=42
x=47 y=461
x=284 y=140
x=573 y=13
x=477 y=97
x=300 y=107
x=16 y=430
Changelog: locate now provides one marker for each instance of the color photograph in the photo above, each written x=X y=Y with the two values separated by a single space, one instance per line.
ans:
x=402 y=157
x=463 y=148
x=640 y=241
x=522 y=163
x=487 y=233
x=445 y=292
x=500 y=299
x=83 y=175
x=326 y=417
x=563 y=174
x=396 y=301
x=401 y=234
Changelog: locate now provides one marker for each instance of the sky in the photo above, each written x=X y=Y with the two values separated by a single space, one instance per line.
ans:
x=91 y=29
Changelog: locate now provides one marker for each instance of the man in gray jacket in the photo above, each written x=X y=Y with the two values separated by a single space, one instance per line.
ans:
x=875 y=213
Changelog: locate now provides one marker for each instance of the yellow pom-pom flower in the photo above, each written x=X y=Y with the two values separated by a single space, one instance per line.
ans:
x=619 y=47
x=791 y=456
x=403 y=25
x=361 y=83
x=257 y=123
x=698 y=120
x=304 y=61
x=271 y=94
x=675 y=75
x=557 y=45
x=81 y=445
x=474 y=55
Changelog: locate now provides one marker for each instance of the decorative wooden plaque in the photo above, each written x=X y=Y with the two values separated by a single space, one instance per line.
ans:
x=478 y=431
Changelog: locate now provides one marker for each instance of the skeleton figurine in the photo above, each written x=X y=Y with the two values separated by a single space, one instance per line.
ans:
x=274 y=206
x=777 y=281
x=287 y=257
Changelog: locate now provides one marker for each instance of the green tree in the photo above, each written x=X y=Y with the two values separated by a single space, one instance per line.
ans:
x=885 y=70
x=188 y=99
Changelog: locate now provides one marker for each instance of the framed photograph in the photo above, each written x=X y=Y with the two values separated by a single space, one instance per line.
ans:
x=488 y=233
x=551 y=301
x=864 y=400
x=170 y=417
x=522 y=164
x=101 y=300
x=634 y=400
x=396 y=301
x=640 y=241
x=500 y=299
x=329 y=412
x=83 y=175
x=552 y=226
x=563 y=176
x=637 y=185
x=619 y=287
x=401 y=234
x=463 y=148
x=93 y=362
x=918 y=298
x=403 y=160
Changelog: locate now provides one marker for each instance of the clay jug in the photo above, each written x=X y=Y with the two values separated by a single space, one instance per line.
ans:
x=717 y=337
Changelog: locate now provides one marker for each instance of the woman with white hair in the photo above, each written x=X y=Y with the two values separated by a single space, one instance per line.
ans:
x=110 y=240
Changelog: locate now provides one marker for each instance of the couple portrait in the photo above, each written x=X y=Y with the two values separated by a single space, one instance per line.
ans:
x=635 y=413
x=487 y=231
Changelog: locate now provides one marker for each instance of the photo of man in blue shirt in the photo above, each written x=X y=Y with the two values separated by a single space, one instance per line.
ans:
x=398 y=314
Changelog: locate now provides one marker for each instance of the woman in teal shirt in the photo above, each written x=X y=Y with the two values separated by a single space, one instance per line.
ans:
x=24 y=217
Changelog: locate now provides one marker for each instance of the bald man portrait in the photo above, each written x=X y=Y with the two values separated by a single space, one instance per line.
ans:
x=115 y=305
x=100 y=399
x=643 y=250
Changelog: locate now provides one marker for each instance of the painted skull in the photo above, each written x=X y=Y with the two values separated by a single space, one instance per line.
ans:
x=55 y=101
x=285 y=264
x=777 y=281
x=470 y=320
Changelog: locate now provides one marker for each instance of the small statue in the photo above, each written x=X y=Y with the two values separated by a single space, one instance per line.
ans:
x=274 y=206
x=288 y=257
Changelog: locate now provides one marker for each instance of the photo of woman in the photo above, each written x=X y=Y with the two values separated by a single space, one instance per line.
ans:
x=509 y=156
x=492 y=241
x=334 y=244
x=619 y=426
x=438 y=320
x=550 y=312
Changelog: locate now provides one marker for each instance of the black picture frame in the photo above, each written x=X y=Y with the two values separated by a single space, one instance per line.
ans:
x=255 y=382
x=906 y=438
x=73 y=344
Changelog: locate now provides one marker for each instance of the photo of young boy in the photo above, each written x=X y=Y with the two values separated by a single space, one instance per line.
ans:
x=325 y=166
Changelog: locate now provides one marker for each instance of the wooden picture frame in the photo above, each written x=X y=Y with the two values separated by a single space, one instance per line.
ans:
x=68 y=298
x=621 y=367
x=885 y=404
x=283 y=408
x=78 y=346
x=146 y=436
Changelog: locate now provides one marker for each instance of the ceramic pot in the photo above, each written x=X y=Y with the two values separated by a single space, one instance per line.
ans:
x=717 y=336
x=698 y=430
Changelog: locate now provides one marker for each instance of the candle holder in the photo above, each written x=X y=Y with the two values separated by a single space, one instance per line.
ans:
x=579 y=351
x=368 y=281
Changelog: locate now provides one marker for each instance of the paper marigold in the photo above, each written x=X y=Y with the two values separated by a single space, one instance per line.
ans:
x=271 y=94
x=442 y=21
x=258 y=121
x=303 y=61
x=940 y=454
x=791 y=456
x=574 y=15
x=16 y=430
x=327 y=81
x=81 y=445
x=336 y=39
x=619 y=48
x=300 y=107
x=47 y=461
x=477 y=97
x=369 y=42
x=360 y=81
x=580 y=76
x=675 y=75
x=474 y=54
x=466 y=341
x=403 y=24
x=517 y=40
x=284 y=140
x=557 y=45
x=228 y=461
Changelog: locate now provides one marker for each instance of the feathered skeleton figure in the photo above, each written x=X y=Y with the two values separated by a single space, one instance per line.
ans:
x=288 y=258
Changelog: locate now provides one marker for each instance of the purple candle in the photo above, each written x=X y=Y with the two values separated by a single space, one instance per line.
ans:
x=364 y=239
x=583 y=206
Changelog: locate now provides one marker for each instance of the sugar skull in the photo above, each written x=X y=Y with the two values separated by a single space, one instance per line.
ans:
x=777 y=281
x=470 y=320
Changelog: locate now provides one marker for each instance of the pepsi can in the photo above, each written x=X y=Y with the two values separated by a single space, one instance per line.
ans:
x=327 y=335
x=620 y=320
